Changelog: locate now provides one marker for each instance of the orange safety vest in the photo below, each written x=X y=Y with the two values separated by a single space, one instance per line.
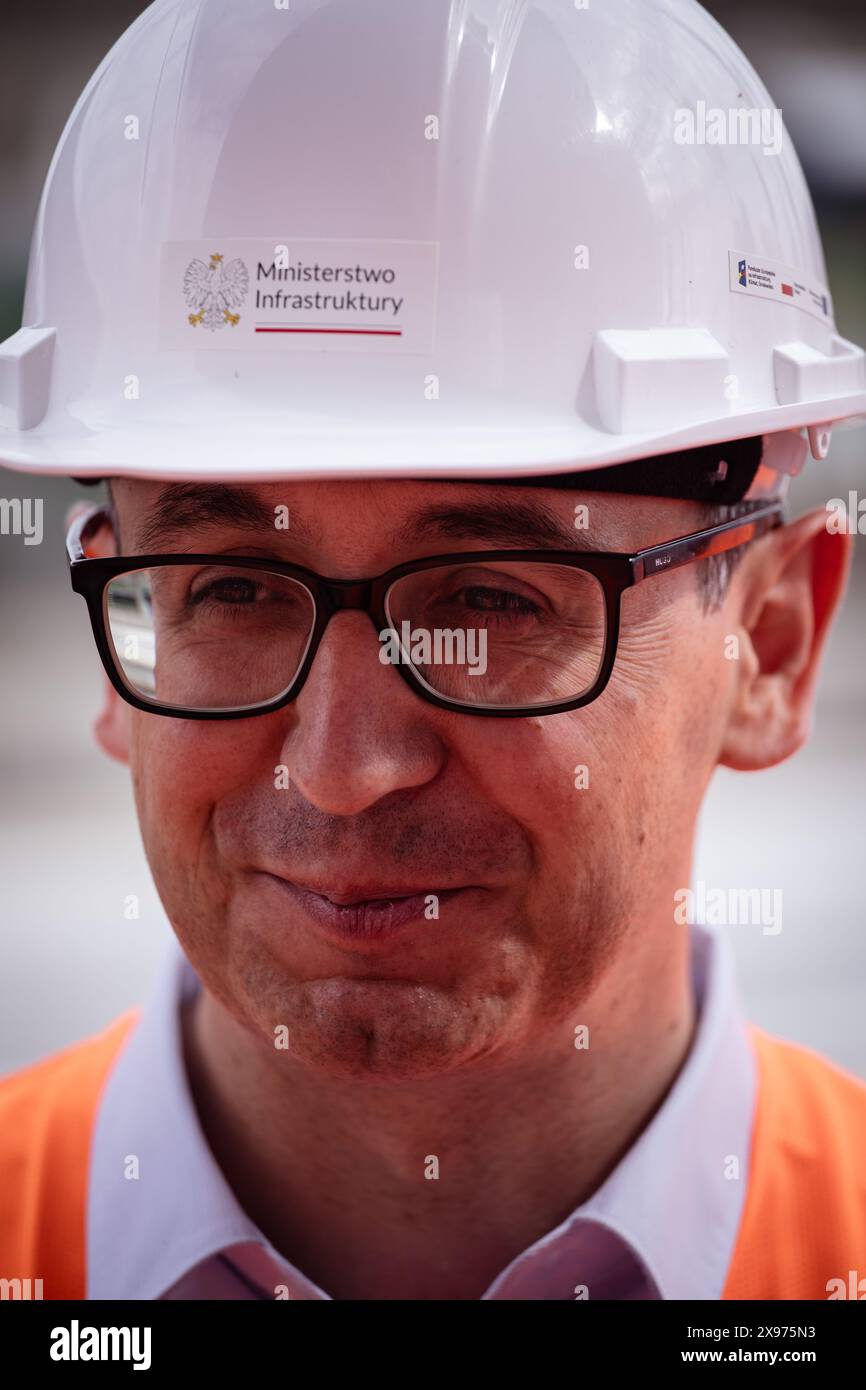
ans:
x=803 y=1223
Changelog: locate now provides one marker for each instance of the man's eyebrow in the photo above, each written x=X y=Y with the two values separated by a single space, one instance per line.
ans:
x=182 y=507
x=509 y=522
x=520 y=523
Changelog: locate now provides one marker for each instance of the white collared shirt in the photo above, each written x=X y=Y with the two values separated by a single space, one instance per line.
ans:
x=662 y=1225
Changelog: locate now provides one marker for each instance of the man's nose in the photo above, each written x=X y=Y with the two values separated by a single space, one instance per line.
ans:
x=358 y=732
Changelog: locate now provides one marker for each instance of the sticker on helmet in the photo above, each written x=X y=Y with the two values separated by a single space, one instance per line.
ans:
x=325 y=295
x=770 y=280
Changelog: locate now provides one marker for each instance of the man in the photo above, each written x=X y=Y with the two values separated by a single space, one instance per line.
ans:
x=443 y=562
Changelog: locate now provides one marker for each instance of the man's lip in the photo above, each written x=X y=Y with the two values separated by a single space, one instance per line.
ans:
x=369 y=915
x=370 y=893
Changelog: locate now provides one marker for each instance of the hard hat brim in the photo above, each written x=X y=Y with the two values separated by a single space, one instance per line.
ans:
x=243 y=449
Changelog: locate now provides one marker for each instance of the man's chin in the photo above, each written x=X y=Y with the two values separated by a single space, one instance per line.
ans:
x=379 y=1028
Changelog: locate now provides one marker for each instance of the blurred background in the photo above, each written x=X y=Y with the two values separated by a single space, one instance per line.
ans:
x=72 y=955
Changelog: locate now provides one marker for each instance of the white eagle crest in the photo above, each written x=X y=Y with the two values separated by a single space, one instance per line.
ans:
x=214 y=290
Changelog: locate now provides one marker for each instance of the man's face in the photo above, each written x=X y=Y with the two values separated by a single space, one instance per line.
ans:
x=543 y=886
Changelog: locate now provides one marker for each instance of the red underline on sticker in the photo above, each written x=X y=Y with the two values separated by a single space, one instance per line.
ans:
x=376 y=332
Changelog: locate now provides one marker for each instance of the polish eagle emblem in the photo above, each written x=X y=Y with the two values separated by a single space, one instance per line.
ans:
x=214 y=289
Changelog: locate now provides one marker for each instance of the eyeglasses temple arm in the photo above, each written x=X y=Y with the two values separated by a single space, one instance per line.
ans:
x=701 y=544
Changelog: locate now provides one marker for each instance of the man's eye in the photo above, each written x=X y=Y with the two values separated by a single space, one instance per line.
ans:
x=491 y=600
x=232 y=590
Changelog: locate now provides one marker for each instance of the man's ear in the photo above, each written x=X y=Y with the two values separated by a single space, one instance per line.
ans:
x=111 y=725
x=787 y=592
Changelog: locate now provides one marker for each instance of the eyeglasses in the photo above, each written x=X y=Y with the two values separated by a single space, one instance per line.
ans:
x=501 y=633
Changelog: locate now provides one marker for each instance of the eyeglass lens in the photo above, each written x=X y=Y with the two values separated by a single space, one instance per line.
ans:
x=216 y=637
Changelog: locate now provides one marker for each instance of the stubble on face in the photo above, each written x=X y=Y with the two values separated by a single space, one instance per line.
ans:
x=467 y=987
x=567 y=878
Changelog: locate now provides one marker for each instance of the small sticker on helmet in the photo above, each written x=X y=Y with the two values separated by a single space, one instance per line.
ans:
x=310 y=295
x=767 y=279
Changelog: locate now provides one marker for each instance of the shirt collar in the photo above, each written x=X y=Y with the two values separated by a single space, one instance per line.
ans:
x=703 y=1131
x=675 y=1199
x=159 y=1204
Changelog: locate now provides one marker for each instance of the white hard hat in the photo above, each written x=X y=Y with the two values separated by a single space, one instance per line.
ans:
x=392 y=238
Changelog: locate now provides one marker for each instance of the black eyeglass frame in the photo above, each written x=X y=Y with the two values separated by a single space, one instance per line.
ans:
x=615 y=573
